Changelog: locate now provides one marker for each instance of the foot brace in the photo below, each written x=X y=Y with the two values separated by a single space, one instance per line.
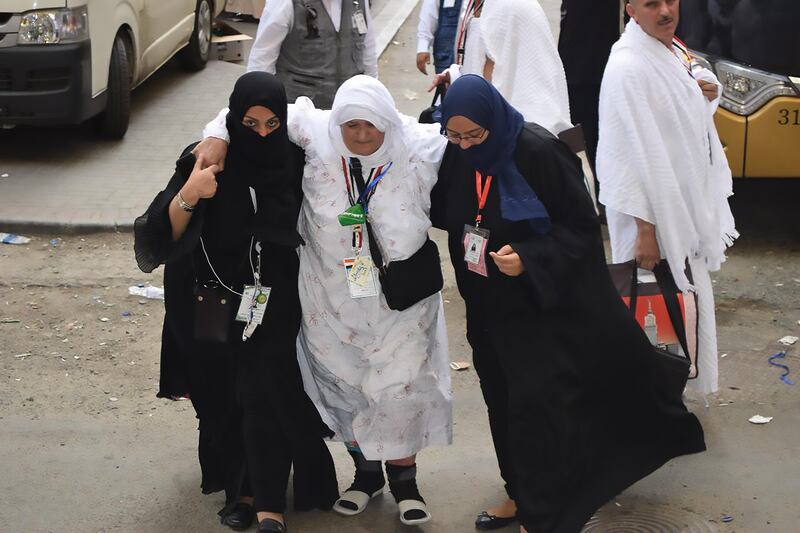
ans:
x=403 y=485
x=368 y=482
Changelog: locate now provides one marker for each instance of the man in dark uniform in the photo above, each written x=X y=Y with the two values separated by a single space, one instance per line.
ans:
x=588 y=30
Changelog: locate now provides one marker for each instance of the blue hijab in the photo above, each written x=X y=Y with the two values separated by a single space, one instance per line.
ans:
x=476 y=99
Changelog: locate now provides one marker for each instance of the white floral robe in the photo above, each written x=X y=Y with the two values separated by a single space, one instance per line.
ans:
x=378 y=377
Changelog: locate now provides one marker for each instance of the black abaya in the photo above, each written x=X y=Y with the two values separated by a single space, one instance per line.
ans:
x=255 y=419
x=583 y=421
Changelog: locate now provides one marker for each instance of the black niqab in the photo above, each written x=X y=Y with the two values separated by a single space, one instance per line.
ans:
x=261 y=163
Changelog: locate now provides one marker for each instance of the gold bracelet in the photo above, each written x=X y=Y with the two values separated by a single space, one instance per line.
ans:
x=183 y=205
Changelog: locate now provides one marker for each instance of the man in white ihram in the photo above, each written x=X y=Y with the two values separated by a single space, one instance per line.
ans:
x=313 y=46
x=664 y=178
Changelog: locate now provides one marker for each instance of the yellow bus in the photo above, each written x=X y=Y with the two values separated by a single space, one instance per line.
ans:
x=753 y=46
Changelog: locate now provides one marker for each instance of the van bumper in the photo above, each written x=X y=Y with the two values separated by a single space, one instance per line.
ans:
x=47 y=84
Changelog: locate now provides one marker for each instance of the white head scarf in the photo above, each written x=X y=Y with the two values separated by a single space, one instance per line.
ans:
x=365 y=98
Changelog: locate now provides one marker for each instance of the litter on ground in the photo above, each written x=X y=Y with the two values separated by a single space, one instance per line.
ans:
x=788 y=340
x=153 y=293
x=10 y=238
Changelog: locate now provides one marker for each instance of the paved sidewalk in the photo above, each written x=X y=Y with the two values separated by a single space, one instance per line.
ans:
x=65 y=179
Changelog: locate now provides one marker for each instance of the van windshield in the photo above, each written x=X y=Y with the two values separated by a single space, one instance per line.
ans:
x=764 y=34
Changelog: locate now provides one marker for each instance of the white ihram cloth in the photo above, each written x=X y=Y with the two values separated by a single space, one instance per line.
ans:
x=528 y=72
x=660 y=159
x=378 y=377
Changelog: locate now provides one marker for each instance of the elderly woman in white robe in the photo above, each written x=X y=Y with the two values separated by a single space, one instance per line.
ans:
x=380 y=378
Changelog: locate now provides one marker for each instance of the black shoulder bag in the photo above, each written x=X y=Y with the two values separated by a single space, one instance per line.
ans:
x=411 y=280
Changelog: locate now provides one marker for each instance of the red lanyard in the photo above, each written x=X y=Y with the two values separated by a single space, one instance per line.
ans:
x=482 y=191
x=352 y=189
x=686 y=60
x=469 y=14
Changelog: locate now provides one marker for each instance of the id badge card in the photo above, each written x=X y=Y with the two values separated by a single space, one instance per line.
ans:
x=449 y=3
x=476 y=240
x=360 y=273
x=253 y=305
x=360 y=22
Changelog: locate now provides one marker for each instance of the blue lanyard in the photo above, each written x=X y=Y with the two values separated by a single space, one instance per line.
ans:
x=363 y=198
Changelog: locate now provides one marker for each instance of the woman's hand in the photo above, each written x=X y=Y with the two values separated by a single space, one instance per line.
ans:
x=508 y=261
x=213 y=151
x=202 y=182
x=443 y=78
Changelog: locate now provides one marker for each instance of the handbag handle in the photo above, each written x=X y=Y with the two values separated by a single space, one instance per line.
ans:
x=664 y=281
x=440 y=92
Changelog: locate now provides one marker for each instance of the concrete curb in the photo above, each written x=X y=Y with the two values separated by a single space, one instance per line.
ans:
x=62 y=228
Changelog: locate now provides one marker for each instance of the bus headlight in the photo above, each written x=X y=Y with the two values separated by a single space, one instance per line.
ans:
x=54 y=26
x=746 y=89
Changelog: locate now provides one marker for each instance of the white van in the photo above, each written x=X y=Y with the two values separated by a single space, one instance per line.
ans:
x=65 y=61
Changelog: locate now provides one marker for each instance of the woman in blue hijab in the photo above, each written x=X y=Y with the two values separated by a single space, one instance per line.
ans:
x=564 y=367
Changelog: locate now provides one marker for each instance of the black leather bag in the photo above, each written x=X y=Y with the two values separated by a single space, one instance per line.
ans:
x=432 y=115
x=213 y=312
x=411 y=280
x=670 y=371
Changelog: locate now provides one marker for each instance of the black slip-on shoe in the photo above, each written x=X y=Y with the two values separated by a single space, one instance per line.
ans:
x=241 y=518
x=486 y=521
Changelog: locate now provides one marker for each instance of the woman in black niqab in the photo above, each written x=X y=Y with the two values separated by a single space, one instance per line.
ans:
x=255 y=420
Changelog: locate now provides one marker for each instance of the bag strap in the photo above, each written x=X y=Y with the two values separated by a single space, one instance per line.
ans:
x=668 y=289
x=665 y=281
x=374 y=248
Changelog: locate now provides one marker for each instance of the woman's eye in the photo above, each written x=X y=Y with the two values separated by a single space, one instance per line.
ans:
x=250 y=123
x=274 y=123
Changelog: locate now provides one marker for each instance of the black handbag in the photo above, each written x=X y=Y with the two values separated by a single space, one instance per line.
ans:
x=670 y=371
x=213 y=312
x=411 y=280
x=432 y=115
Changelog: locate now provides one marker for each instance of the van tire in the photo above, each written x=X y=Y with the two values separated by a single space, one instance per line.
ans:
x=195 y=55
x=113 y=122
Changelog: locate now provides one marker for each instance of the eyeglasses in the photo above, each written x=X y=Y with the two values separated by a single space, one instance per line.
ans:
x=471 y=136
